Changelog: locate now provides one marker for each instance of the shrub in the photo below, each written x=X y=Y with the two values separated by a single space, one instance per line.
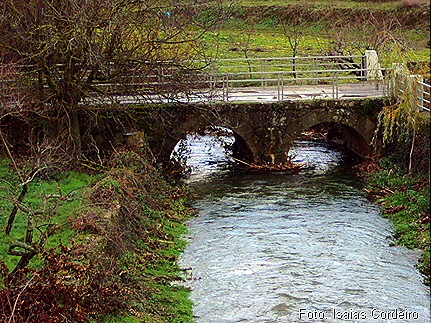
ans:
x=63 y=290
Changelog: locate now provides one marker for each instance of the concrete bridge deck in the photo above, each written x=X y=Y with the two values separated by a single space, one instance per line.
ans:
x=297 y=92
x=262 y=94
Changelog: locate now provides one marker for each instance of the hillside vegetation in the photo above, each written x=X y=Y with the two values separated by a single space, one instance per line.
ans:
x=396 y=29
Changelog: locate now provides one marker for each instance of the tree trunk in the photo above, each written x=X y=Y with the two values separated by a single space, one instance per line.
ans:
x=295 y=53
x=75 y=133
x=411 y=152
x=15 y=209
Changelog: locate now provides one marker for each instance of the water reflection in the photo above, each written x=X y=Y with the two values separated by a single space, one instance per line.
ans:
x=206 y=156
x=278 y=248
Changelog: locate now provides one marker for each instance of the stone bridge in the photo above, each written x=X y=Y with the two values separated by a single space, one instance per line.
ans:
x=264 y=132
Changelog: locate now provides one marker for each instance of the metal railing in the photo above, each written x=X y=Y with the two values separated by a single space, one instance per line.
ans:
x=305 y=67
x=217 y=79
x=423 y=96
x=412 y=87
x=285 y=72
x=281 y=80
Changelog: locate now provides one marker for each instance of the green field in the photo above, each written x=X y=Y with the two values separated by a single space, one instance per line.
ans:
x=391 y=4
x=271 y=28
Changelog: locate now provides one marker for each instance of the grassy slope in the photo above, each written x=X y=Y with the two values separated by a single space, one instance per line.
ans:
x=70 y=186
x=263 y=35
x=128 y=217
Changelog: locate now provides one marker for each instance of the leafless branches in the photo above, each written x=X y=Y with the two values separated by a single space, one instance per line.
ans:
x=69 y=50
x=364 y=31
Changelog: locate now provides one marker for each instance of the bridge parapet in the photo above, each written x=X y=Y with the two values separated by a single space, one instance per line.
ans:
x=268 y=80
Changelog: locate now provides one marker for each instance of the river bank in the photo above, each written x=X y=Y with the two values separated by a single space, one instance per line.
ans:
x=403 y=194
x=405 y=201
x=112 y=255
x=400 y=183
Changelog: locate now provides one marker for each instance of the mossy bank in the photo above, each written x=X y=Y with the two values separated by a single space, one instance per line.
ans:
x=111 y=251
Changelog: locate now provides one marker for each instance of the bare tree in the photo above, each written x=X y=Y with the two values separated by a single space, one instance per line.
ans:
x=17 y=107
x=294 y=28
x=241 y=41
x=57 y=53
x=71 y=49
x=364 y=31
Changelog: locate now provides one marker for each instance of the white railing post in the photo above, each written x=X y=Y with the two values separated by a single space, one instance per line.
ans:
x=335 y=95
x=278 y=87
x=266 y=70
x=333 y=86
x=224 y=87
x=372 y=66
x=417 y=92
x=282 y=86
x=420 y=90
x=227 y=87
x=336 y=85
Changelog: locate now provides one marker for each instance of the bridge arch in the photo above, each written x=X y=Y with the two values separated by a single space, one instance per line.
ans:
x=264 y=132
x=240 y=148
x=283 y=124
x=361 y=123
x=354 y=141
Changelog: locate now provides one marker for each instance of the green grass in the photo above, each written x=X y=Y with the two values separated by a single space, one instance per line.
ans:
x=54 y=202
x=150 y=237
x=120 y=319
x=160 y=275
x=269 y=41
x=263 y=42
x=168 y=301
x=413 y=204
x=325 y=3
x=264 y=37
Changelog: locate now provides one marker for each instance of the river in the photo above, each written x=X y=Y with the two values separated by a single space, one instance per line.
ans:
x=307 y=247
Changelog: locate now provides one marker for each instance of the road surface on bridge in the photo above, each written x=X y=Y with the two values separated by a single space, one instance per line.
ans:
x=260 y=94
x=298 y=92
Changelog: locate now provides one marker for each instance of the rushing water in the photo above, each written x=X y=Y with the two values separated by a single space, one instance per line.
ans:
x=294 y=248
